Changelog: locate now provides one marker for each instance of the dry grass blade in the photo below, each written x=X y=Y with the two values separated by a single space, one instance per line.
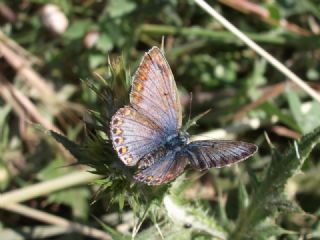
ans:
x=276 y=63
x=252 y=8
x=285 y=132
x=27 y=56
x=22 y=67
x=26 y=104
x=25 y=109
x=44 y=188
x=58 y=221
x=271 y=92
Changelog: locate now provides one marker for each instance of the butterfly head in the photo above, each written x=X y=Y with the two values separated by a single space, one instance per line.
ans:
x=184 y=137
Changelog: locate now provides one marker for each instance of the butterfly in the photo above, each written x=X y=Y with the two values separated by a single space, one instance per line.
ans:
x=148 y=133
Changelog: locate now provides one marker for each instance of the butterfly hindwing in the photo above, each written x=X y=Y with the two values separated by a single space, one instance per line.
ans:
x=154 y=92
x=206 y=154
x=163 y=170
x=134 y=135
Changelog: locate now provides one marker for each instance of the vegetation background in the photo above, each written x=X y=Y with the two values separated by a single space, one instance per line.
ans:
x=60 y=70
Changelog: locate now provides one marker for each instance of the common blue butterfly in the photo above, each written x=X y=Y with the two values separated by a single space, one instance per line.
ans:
x=148 y=132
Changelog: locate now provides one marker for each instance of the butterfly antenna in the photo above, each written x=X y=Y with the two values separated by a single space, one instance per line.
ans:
x=162 y=44
x=190 y=106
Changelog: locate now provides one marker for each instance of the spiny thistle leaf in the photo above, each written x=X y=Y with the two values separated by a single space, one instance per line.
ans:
x=76 y=150
x=193 y=121
x=195 y=218
x=267 y=229
x=269 y=197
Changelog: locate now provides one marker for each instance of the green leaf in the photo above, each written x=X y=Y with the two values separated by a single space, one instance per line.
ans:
x=97 y=59
x=76 y=150
x=57 y=168
x=121 y=199
x=80 y=207
x=274 y=11
x=271 y=109
x=114 y=234
x=195 y=217
x=269 y=197
x=306 y=120
x=243 y=196
x=118 y=8
x=267 y=229
x=295 y=107
x=104 y=43
x=77 y=29
x=54 y=169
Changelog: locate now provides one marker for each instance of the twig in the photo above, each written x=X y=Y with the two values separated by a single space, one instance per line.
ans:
x=44 y=188
x=27 y=104
x=276 y=63
x=28 y=57
x=58 y=221
x=269 y=93
x=24 y=107
x=7 y=96
x=22 y=68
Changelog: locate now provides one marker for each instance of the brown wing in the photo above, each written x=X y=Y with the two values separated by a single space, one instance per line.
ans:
x=154 y=92
x=206 y=154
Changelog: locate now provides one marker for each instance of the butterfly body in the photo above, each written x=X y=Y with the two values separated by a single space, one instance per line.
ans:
x=147 y=133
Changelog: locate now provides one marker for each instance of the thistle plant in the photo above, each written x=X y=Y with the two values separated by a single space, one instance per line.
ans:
x=167 y=210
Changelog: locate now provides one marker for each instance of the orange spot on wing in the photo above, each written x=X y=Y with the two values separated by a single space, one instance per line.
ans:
x=123 y=150
x=116 y=131
x=138 y=87
x=119 y=140
x=136 y=97
x=117 y=121
x=127 y=112
x=129 y=159
x=143 y=77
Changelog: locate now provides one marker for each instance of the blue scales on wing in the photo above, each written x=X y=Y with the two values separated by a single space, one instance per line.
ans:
x=154 y=92
x=134 y=135
x=219 y=153
x=163 y=170
x=154 y=112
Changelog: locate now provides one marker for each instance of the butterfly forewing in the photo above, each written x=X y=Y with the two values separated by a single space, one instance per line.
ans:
x=206 y=154
x=154 y=92
x=134 y=135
